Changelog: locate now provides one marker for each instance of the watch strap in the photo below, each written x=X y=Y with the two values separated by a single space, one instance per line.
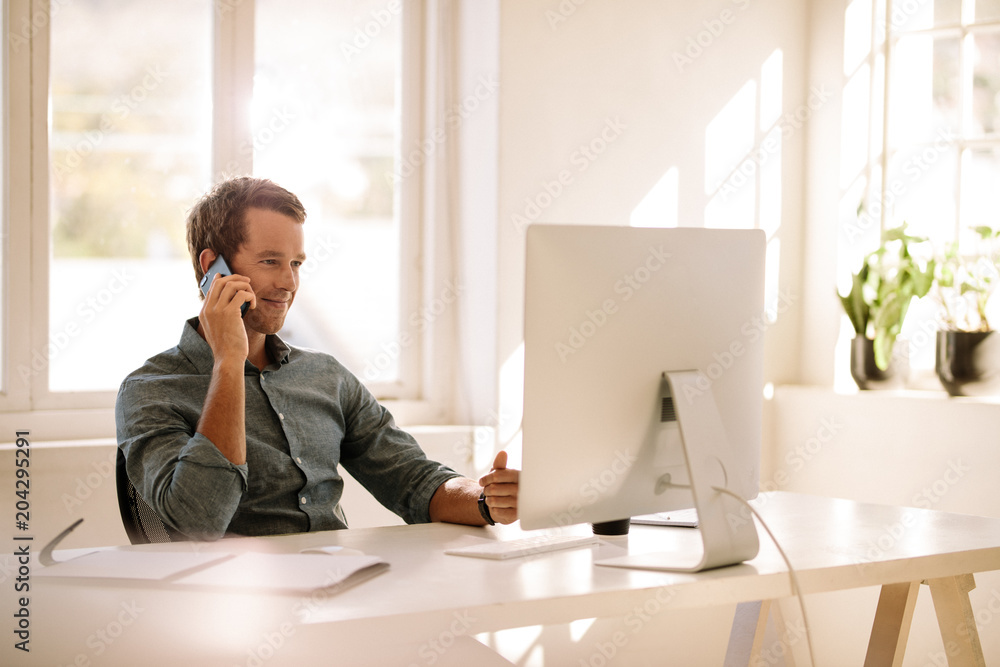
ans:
x=484 y=509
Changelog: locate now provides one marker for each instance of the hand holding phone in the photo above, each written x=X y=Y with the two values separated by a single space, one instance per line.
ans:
x=220 y=268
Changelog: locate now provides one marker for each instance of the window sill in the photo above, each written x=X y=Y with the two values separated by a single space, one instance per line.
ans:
x=928 y=396
x=99 y=423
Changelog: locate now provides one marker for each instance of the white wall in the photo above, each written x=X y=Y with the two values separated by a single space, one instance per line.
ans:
x=573 y=74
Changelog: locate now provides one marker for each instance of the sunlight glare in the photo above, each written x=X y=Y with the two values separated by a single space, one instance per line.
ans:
x=771 y=84
x=659 y=207
x=857 y=34
x=729 y=137
x=511 y=400
x=854 y=127
x=578 y=629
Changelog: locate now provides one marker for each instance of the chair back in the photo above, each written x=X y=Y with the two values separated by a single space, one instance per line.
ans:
x=142 y=524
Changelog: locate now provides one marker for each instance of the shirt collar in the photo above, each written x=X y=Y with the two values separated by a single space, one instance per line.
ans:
x=197 y=350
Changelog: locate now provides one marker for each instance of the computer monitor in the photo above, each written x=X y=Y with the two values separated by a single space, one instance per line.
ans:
x=643 y=380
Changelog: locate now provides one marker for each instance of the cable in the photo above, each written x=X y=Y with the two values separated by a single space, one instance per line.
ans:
x=791 y=570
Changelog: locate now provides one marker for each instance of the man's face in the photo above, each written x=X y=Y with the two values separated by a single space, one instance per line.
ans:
x=270 y=256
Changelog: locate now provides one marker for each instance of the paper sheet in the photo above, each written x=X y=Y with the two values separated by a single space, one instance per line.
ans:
x=115 y=564
x=291 y=572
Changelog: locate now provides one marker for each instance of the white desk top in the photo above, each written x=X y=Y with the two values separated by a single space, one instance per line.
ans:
x=833 y=544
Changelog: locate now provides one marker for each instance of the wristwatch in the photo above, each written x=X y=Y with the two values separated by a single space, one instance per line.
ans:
x=485 y=510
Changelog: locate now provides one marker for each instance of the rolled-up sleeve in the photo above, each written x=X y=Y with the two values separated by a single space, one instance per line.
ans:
x=180 y=474
x=388 y=461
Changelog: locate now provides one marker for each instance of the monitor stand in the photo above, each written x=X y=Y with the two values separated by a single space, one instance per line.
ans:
x=728 y=534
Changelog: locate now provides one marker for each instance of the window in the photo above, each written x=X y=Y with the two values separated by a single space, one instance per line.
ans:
x=920 y=133
x=113 y=148
x=130 y=151
x=328 y=132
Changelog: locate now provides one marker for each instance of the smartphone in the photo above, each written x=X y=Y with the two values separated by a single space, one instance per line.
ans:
x=220 y=267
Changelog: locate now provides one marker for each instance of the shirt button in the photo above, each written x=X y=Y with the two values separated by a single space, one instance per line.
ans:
x=303 y=500
x=298 y=459
x=281 y=416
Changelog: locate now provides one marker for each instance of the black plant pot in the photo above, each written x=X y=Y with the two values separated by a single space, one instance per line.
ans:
x=968 y=362
x=869 y=376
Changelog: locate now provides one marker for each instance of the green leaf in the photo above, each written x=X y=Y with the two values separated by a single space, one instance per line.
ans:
x=985 y=232
x=968 y=287
x=883 y=345
x=923 y=280
x=854 y=303
x=890 y=316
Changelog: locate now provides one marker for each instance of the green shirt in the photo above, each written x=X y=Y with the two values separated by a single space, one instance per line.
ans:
x=305 y=415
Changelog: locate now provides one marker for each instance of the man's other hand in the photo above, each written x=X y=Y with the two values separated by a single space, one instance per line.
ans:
x=500 y=486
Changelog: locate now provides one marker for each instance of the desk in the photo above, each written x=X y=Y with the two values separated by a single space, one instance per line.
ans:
x=428 y=600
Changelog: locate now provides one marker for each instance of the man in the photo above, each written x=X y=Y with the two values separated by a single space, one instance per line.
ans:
x=234 y=432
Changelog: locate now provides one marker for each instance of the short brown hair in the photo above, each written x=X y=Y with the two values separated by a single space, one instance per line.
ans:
x=218 y=222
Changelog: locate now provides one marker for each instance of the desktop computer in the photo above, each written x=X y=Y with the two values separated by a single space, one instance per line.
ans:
x=643 y=381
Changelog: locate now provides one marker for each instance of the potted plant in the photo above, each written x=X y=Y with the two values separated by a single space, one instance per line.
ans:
x=968 y=350
x=881 y=292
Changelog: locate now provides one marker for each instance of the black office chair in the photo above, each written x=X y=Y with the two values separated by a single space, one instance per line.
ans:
x=142 y=524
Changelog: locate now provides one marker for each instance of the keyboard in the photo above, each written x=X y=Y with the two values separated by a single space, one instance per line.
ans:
x=524 y=546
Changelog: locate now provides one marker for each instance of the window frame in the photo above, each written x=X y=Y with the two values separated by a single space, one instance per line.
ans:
x=964 y=31
x=418 y=396
x=883 y=42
